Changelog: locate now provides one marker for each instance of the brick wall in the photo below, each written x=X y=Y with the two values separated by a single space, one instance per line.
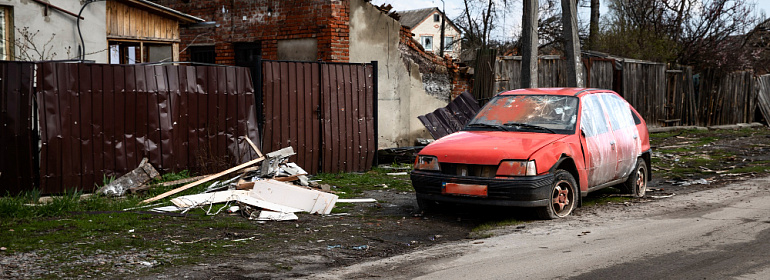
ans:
x=267 y=21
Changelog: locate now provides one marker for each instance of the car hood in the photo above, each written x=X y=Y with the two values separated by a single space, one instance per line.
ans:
x=488 y=147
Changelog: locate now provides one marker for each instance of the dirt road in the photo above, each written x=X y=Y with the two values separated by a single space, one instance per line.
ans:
x=711 y=234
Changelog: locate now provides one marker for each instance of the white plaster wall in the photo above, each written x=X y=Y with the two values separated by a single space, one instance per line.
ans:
x=430 y=27
x=401 y=97
x=62 y=27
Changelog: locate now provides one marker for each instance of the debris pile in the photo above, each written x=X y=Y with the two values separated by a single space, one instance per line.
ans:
x=266 y=188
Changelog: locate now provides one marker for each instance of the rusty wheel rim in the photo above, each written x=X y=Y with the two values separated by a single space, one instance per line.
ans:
x=641 y=182
x=561 y=203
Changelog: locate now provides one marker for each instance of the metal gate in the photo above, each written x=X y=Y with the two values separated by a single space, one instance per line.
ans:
x=325 y=111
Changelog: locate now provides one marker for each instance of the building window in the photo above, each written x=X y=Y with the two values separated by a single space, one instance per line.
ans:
x=436 y=18
x=6 y=33
x=448 y=44
x=427 y=42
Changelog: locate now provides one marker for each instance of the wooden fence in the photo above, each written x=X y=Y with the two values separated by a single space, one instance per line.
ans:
x=662 y=96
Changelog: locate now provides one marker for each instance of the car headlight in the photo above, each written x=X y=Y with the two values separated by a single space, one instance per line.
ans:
x=517 y=168
x=426 y=163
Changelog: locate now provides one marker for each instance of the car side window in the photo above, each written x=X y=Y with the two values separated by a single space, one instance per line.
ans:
x=593 y=121
x=618 y=110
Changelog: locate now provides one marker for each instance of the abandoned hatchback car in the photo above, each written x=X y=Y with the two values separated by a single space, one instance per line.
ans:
x=543 y=148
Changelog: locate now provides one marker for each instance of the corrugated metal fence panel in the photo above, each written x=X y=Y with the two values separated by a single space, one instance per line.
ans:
x=644 y=86
x=101 y=120
x=348 y=117
x=446 y=120
x=18 y=166
x=291 y=93
x=342 y=138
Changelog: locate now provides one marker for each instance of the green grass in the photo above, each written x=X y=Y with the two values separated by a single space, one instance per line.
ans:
x=354 y=184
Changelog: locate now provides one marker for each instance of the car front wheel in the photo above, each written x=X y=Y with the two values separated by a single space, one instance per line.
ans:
x=563 y=197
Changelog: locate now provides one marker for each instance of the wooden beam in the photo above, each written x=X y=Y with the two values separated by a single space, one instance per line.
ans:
x=253 y=146
x=201 y=181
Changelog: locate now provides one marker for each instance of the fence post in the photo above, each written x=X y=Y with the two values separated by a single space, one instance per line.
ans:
x=258 y=98
x=376 y=115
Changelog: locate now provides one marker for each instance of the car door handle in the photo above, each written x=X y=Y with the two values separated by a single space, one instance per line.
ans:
x=636 y=136
x=612 y=143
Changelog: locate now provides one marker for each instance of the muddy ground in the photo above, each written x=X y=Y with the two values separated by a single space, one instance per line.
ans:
x=683 y=162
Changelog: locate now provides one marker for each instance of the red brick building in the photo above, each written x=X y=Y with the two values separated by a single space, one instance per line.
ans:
x=237 y=30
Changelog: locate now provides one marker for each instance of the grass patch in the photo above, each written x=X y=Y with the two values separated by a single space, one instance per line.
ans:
x=354 y=184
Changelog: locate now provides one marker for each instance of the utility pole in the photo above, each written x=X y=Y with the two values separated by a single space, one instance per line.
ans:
x=571 y=44
x=443 y=15
x=529 y=44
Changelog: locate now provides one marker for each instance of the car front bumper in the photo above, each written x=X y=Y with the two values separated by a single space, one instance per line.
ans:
x=529 y=191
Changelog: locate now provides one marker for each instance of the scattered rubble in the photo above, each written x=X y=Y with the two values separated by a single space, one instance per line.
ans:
x=272 y=191
x=134 y=179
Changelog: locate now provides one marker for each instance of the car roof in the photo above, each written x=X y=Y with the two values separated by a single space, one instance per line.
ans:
x=554 y=91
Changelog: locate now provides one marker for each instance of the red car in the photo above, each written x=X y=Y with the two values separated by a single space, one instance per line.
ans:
x=544 y=148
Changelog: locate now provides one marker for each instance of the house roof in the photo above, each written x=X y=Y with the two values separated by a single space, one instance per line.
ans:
x=412 y=18
x=180 y=16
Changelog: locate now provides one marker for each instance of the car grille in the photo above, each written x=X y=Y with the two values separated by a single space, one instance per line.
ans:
x=457 y=169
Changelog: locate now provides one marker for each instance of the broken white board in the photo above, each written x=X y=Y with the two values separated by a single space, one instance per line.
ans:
x=165 y=209
x=312 y=201
x=265 y=215
x=187 y=201
x=246 y=199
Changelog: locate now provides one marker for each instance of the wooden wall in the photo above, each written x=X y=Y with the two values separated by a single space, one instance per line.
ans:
x=128 y=22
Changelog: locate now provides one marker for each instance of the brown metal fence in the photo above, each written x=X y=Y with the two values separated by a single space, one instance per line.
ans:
x=18 y=159
x=99 y=120
x=325 y=111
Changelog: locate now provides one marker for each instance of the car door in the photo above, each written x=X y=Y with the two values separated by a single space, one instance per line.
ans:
x=627 y=143
x=597 y=140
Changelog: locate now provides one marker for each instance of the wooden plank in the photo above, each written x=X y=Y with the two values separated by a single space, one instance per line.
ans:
x=204 y=180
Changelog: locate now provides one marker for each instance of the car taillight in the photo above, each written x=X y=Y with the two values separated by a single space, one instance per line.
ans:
x=426 y=163
x=517 y=168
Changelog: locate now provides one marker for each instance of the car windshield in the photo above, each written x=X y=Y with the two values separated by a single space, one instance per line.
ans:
x=535 y=113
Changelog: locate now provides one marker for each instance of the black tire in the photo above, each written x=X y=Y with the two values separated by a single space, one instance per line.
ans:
x=563 y=198
x=636 y=184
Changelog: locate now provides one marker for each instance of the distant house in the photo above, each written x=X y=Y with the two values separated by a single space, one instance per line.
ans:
x=115 y=31
x=425 y=24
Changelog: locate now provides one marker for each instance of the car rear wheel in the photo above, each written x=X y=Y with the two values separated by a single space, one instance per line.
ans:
x=563 y=197
x=636 y=184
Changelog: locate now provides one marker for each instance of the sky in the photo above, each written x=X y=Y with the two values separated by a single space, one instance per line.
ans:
x=512 y=22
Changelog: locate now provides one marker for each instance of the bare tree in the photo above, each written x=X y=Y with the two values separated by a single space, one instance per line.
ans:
x=690 y=32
